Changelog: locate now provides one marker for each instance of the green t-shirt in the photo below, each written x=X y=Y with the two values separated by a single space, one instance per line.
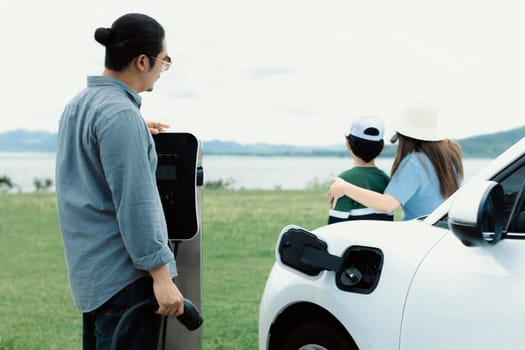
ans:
x=371 y=178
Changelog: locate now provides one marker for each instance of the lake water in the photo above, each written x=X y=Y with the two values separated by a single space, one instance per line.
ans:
x=249 y=172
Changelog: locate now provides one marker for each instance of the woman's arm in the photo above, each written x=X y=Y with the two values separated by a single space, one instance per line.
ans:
x=368 y=198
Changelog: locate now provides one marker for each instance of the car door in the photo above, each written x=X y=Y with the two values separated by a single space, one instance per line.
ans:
x=472 y=297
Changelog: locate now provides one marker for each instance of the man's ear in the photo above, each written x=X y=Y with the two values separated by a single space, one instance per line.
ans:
x=141 y=63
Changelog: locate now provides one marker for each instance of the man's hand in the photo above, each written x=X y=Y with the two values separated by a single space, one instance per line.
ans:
x=169 y=298
x=156 y=127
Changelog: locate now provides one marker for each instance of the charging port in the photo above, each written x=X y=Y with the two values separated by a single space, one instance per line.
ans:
x=361 y=269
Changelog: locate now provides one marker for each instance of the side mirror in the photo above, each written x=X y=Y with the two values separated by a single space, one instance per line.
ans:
x=476 y=214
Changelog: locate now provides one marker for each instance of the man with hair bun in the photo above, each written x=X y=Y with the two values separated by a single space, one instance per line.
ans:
x=111 y=218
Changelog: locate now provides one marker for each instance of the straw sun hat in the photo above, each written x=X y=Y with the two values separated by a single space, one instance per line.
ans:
x=420 y=122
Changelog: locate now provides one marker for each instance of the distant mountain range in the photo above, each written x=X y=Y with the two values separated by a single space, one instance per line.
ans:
x=482 y=146
x=28 y=141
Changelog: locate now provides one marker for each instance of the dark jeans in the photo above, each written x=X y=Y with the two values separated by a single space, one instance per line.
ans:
x=141 y=330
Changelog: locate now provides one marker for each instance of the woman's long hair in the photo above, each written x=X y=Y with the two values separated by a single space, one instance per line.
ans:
x=445 y=156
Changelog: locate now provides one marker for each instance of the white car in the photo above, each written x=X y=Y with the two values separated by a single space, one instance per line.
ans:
x=454 y=279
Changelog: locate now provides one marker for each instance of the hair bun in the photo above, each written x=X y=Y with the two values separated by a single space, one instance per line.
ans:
x=103 y=36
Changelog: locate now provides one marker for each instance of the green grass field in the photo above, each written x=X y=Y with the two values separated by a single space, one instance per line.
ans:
x=240 y=229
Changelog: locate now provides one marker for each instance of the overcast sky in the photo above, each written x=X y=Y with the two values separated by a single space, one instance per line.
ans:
x=280 y=71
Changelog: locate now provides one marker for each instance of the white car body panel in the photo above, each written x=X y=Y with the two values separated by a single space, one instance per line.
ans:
x=288 y=286
x=462 y=302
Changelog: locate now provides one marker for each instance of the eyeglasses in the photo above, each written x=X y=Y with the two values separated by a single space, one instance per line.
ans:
x=166 y=62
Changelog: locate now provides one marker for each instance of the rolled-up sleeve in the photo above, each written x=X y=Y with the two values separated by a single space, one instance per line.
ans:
x=128 y=160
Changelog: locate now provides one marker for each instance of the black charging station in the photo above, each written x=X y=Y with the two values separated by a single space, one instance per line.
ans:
x=178 y=178
x=179 y=181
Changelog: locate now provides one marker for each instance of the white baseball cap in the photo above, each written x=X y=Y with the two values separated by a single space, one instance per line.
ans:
x=369 y=128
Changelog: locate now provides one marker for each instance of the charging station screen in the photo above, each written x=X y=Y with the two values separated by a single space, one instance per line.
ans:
x=176 y=182
x=166 y=172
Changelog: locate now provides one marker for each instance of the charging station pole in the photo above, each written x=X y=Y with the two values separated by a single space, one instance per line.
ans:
x=180 y=180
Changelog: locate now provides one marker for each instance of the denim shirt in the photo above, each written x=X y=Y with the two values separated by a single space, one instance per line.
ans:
x=110 y=214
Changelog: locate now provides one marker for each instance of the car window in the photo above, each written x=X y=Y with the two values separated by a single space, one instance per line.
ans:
x=512 y=180
x=517 y=223
x=513 y=188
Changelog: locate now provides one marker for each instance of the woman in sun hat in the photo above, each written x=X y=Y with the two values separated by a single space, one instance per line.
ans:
x=427 y=168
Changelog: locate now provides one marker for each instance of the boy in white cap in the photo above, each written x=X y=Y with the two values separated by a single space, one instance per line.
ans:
x=364 y=143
